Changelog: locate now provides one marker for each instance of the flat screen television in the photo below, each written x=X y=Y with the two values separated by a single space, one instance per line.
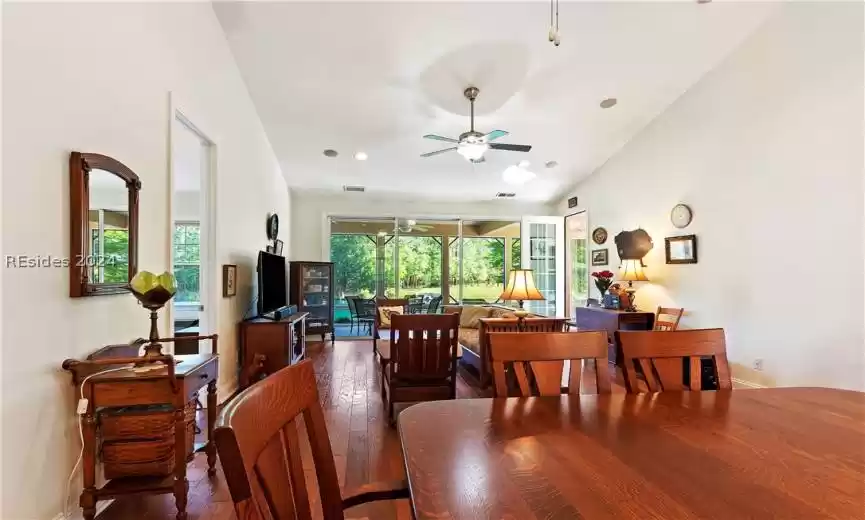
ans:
x=272 y=283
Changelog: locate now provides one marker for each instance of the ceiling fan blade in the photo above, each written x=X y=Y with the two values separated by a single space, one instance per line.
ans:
x=430 y=154
x=495 y=134
x=440 y=138
x=511 y=147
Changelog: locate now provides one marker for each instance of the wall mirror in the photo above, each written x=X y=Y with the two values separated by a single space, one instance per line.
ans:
x=104 y=225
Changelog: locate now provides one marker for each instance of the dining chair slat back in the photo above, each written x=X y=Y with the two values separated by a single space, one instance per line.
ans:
x=538 y=360
x=259 y=444
x=667 y=319
x=663 y=357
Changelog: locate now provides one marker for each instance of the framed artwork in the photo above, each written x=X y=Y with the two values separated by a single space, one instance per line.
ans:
x=600 y=257
x=277 y=247
x=229 y=280
x=681 y=250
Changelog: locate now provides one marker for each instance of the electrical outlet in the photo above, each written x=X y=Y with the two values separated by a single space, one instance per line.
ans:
x=758 y=364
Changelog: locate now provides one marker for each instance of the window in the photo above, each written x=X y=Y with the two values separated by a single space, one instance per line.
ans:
x=112 y=264
x=187 y=261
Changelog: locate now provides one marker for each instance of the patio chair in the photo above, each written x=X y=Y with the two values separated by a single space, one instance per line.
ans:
x=365 y=313
x=434 y=304
x=352 y=311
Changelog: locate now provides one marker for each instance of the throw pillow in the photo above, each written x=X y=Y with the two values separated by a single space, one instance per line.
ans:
x=471 y=316
x=384 y=314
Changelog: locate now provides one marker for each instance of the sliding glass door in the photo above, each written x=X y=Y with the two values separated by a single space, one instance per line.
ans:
x=577 y=261
x=542 y=239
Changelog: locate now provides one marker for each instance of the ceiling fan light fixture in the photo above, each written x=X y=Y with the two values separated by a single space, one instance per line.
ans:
x=473 y=151
x=516 y=175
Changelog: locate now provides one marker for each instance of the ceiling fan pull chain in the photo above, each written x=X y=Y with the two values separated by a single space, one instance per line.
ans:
x=552 y=33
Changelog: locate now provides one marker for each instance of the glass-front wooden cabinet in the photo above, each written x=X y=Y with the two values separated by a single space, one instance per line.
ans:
x=312 y=291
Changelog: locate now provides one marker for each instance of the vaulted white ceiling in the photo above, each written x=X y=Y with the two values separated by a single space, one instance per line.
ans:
x=375 y=77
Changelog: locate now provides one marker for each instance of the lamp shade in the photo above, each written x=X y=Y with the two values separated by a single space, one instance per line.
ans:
x=632 y=271
x=521 y=286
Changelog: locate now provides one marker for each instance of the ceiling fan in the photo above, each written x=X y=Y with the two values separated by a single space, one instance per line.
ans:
x=472 y=145
x=409 y=225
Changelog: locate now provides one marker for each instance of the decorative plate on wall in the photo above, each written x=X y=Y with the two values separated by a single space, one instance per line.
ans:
x=681 y=215
x=599 y=235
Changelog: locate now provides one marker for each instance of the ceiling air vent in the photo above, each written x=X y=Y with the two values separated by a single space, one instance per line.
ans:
x=505 y=195
x=357 y=189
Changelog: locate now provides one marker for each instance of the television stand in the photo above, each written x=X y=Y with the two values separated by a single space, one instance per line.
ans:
x=268 y=345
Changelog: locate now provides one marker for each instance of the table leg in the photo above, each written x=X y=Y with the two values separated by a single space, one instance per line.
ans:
x=88 y=495
x=181 y=485
x=211 y=422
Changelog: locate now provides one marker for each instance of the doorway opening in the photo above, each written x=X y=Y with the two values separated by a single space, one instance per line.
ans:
x=192 y=244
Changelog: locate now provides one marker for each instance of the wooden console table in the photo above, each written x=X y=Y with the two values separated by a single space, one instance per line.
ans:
x=177 y=384
x=609 y=320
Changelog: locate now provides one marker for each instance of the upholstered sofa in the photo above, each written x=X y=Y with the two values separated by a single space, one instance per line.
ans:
x=477 y=321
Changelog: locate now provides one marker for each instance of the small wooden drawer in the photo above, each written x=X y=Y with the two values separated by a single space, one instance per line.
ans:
x=198 y=378
x=143 y=424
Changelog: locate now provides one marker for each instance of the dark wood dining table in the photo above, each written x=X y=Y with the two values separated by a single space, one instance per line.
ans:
x=791 y=453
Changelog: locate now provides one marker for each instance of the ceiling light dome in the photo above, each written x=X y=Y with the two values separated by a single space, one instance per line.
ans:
x=472 y=150
x=516 y=175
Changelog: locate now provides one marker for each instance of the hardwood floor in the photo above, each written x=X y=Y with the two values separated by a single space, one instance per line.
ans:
x=366 y=449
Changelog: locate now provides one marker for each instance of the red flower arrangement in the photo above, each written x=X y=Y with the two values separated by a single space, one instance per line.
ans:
x=603 y=280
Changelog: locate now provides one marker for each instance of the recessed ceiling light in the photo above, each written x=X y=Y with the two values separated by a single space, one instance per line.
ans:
x=516 y=175
x=609 y=102
x=361 y=156
x=330 y=153
x=551 y=164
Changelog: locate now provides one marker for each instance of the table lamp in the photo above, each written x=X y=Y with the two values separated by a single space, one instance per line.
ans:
x=153 y=292
x=521 y=287
x=632 y=271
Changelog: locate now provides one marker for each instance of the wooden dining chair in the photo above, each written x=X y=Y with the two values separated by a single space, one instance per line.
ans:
x=420 y=361
x=667 y=318
x=539 y=358
x=661 y=357
x=258 y=441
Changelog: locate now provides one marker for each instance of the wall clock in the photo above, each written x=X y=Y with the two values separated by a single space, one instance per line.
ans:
x=599 y=235
x=681 y=215
x=272 y=226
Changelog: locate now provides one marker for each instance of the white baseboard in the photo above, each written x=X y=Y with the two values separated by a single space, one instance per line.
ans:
x=76 y=511
x=746 y=384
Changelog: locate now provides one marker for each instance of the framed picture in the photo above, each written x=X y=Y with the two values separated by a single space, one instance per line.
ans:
x=229 y=280
x=600 y=257
x=681 y=250
x=277 y=247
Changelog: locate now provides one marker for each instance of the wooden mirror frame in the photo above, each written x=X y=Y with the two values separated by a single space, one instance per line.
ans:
x=80 y=165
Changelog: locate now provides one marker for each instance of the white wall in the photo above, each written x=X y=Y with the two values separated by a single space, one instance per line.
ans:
x=96 y=77
x=187 y=206
x=767 y=149
x=310 y=209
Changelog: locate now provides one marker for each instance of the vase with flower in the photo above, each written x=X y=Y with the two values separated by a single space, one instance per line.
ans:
x=603 y=281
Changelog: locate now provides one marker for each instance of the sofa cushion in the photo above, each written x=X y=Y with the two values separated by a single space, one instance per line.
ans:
x=384 y=315
x=471 y=316
x=498 y=312
x=471 y=339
